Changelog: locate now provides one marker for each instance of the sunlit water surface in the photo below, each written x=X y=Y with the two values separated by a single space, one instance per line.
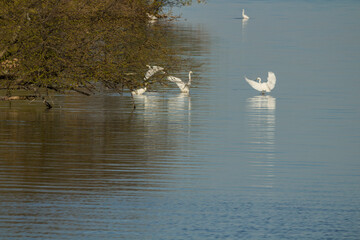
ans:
x=223 y=162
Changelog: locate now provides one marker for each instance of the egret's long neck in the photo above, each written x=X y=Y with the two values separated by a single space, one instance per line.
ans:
x=243 y=12
x=189 y=83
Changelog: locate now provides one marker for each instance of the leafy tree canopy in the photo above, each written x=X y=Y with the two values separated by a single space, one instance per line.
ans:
x=79 y=44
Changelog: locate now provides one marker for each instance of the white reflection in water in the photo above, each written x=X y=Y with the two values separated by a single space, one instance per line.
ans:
x=243 y=28
x=261 y=126
x=244 y=23
x=179 y=108
x=172 y=112
x=180 y=102
x=262 y=102
x=178 y=105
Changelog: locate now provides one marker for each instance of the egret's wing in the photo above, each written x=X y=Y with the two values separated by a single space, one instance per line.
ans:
x=152 y=71
x=149 y=73
x=176 y=80
x=271 y=80
x=157 y=68
x=254 y=84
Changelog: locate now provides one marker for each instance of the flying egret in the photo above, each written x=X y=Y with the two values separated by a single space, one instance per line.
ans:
x=244 y=16
x=152 y=70
x=265 y=86
x=184 y=87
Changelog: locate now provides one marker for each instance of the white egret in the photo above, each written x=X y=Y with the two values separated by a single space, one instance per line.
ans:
x=184 y=87
x=152 y=70
x=139 y=91
x=244 y=16
x=151 y=17
x=265 y=86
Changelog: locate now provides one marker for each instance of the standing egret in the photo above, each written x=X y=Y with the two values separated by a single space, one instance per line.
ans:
x=244 y=16
x=151 y=17
x=152 y=70
x=265 y=86
x=184 y=87
x=139 y=91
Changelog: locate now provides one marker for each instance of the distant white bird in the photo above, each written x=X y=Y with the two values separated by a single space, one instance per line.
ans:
x=184 y=87
x=152 y=70
x=265 y=86
x=244 y=16
x=152 y=17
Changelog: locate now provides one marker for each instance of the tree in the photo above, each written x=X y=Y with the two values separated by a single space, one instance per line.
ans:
x=78 y=45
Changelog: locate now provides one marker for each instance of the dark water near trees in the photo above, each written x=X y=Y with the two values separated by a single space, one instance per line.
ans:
x=223 y=162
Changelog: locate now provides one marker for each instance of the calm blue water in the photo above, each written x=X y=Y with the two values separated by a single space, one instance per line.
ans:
x=222 y=163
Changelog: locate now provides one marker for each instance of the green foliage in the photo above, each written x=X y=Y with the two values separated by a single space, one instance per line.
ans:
x=67 y=44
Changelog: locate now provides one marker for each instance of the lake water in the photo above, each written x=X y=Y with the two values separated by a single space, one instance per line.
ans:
x=221 y=163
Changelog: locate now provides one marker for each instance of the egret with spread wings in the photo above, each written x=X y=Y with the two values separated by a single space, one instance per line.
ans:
x=152 y=70
x=184 y=87
x=265 y=86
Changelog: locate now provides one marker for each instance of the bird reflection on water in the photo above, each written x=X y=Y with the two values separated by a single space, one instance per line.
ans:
x=173 y=111
x=261 y=125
